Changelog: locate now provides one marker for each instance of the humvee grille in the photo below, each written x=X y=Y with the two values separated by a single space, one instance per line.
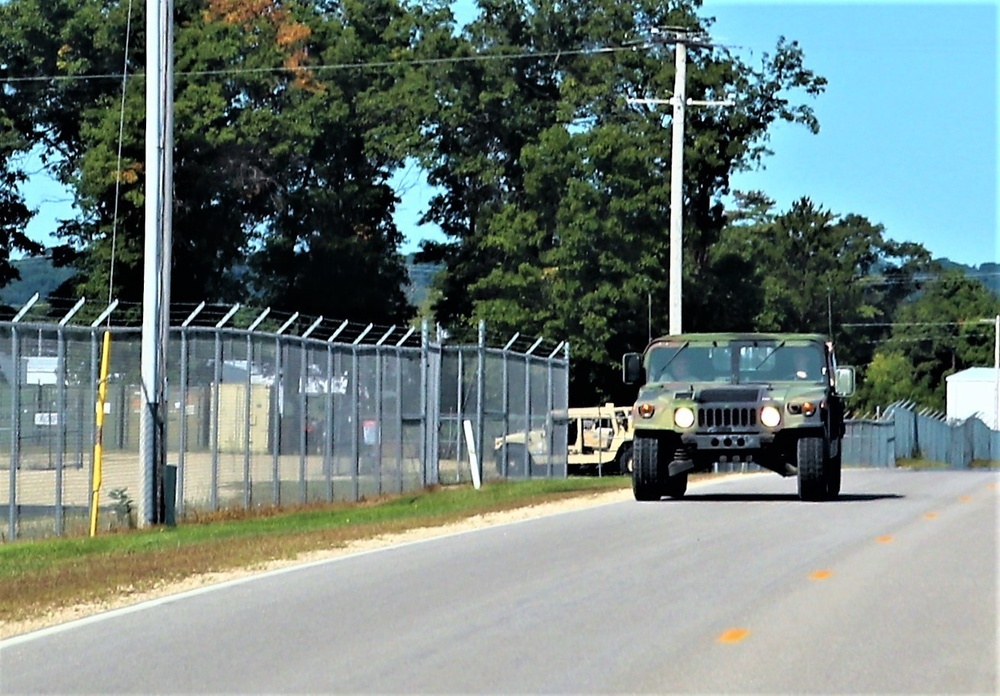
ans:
x=714 y=417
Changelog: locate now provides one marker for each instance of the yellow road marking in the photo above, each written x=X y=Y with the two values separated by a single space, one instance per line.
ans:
x=931 y=515
x=965 y=498
x=734 y=635
x=821 y=575
x=992 y=486
x=884 y=539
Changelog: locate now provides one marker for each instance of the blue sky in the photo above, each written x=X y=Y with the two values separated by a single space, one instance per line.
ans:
x=909 y=128
x=908 y=122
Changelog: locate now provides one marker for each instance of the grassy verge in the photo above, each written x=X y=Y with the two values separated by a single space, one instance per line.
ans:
x=931 y=464
x=39 y=577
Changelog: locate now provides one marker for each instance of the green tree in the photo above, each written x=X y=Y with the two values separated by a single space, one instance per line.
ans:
x=938 y=332
x=281 y=164
x=814 y=270
x=888 y=378
x=556 y=191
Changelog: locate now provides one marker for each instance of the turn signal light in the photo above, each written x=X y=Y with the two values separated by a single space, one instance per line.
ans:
x=646 y=410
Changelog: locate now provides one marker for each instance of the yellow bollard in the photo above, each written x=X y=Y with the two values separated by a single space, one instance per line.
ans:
x=102 y=392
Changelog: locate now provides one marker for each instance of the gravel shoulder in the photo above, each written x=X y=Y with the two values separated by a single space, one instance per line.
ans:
x=79 y=611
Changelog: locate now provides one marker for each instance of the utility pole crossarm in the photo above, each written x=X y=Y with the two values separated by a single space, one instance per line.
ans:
x=681 y=38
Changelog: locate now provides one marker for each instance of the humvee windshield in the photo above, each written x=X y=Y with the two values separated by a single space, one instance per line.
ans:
x=736 y=362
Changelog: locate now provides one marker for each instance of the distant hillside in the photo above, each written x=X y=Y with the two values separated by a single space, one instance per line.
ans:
x=37 y=275
x=987 y=273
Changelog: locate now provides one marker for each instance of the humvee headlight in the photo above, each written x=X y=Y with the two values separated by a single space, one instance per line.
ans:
x=770 y=416
x=683 y=417
x=646 y=410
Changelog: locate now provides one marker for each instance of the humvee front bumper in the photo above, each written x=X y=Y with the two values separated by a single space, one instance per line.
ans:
x=727 y=441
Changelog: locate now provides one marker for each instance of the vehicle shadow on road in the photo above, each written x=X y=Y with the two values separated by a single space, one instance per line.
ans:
x=781 y=497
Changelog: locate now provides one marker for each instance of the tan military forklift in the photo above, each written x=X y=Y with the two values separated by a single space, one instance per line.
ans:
x=599 y=440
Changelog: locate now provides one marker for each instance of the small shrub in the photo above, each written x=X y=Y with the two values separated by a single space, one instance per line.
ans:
x=123 y=507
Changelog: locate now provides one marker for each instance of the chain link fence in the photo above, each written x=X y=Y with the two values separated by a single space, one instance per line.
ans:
x=257 y=418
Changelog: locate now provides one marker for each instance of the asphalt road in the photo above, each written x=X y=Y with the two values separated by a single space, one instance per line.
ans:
x=739 y=588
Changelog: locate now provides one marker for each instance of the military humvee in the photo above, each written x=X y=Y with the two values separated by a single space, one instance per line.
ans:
x=599 y=439
x=772 y=399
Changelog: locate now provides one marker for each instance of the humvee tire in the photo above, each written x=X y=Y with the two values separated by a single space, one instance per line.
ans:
x=624 y=460
x=811 y=460
x=645 y=468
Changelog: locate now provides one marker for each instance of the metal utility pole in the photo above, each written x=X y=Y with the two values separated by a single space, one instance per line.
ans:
x=681 y=39
x=156 y=264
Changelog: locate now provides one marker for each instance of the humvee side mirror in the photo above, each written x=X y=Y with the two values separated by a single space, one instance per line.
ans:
x=632 y=368
x=843 y=381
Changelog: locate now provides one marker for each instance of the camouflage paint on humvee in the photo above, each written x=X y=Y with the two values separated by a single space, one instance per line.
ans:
x=772 y=399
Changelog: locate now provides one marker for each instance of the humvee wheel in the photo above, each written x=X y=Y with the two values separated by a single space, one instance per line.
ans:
x=645 y=468
x=811 y=460
x=625 y=460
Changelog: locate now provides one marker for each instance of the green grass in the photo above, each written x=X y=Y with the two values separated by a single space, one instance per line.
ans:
x=924 y=464
x=37 y=577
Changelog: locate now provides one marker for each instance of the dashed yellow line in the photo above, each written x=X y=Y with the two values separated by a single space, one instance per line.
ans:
x=820 y=575
x=965 y=498
x=884 y=539
x=930 y=515
x=733 y=635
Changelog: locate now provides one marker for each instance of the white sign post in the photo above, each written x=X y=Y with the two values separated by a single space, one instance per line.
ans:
x=473 y=459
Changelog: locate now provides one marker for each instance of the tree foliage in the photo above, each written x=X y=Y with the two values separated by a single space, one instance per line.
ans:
x=281 y=171
x=291 y=117
x=556 y=191
x=812 y=270
x=944 y=329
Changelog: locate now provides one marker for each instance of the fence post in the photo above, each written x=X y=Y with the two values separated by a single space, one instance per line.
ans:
x=355 y=431
x=480 y=376
x=549 y=404
x=15 y=409
x=247 y=405
x=328 y=430
x=15 y=429
x=527 y=415
x=424 y=402
x=183 y=434
x=460 y=413
x=399 y=416
x=60 y=425
x=303 y=410
x=214 y=430
x=92 y=399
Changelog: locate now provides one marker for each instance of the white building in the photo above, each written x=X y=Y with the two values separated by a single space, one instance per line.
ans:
x=973 y=392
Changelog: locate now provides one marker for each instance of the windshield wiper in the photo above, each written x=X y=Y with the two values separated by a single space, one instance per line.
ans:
x=768 y=356
x=674 y=356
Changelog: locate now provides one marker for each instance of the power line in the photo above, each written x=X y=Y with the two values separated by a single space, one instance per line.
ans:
x=370 y=65
x=883 y=324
